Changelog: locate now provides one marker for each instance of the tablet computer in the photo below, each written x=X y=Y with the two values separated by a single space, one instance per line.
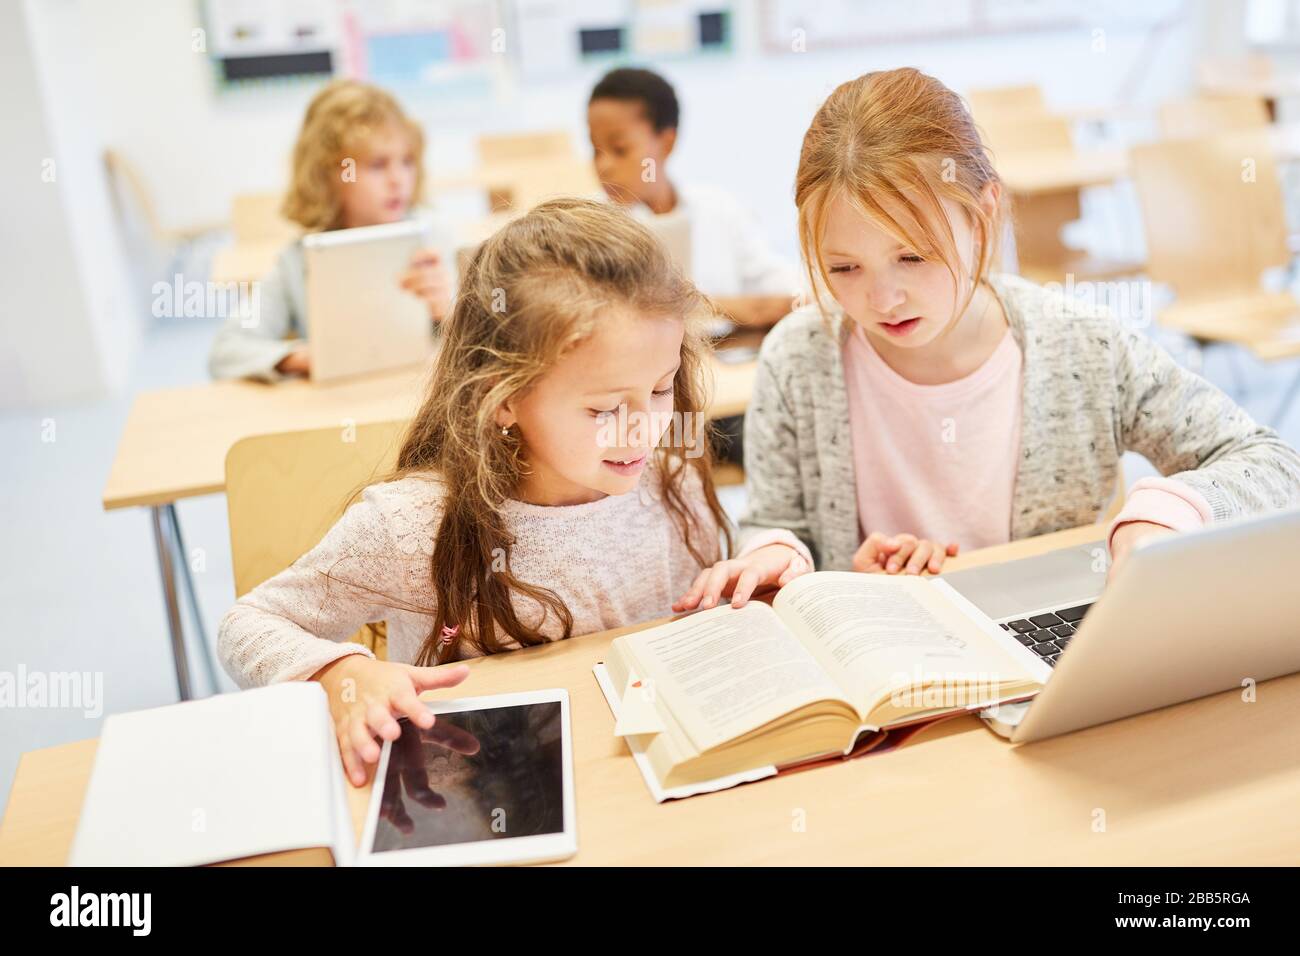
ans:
x=359 y=320
x=490 y=783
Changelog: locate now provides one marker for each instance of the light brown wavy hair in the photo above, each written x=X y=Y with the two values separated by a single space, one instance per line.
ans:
x=340 y=120
x=532 y=292
x=903 y=137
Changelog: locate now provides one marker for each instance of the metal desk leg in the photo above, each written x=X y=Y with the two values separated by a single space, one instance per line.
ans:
x=166 y=569
x=192 y=596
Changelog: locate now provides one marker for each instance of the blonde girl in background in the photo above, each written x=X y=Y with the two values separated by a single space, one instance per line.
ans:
x=359 y=130
x=513 y=518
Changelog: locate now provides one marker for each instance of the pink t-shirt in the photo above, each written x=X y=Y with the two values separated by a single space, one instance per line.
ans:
x=939 y=461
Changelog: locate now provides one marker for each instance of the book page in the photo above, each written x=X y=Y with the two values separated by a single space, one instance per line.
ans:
x=725 y=672
x=875 y=632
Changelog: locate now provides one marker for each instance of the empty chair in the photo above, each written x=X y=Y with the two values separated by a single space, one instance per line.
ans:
x=1208 y=115
x=1214 y=222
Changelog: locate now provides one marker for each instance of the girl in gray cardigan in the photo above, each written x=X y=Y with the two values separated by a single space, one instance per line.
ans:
x=899 y=212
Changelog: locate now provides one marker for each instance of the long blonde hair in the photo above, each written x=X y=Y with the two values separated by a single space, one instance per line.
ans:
x=339 y=121
x=533 y=291
x=899 y=136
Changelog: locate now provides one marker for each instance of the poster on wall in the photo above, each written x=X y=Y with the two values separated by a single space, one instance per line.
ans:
x=444 y=44
x=559 y=36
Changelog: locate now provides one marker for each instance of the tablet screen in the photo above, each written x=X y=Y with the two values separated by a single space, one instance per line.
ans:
x=475 y=775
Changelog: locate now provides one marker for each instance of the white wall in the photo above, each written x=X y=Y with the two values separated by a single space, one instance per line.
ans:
x=68 y=330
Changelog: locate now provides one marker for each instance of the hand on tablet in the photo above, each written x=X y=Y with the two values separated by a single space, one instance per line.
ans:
x=427 y=278
x=366 y=698
x=901 y=554
x=409 y=755
x=775 y=565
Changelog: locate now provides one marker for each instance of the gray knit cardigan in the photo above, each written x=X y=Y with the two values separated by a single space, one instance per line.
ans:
x=1091 y=390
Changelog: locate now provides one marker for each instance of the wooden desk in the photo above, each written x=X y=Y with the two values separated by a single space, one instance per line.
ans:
x=175 y=442
x=1209 y=782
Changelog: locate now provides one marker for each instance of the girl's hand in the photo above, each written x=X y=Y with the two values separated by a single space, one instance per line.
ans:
x=901 y=552
x=366 y=698
x=297 y=362
x=1126 y=538
x=775 y=564
x=427 y=278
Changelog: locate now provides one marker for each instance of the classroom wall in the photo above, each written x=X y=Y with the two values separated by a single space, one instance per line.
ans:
x=198 y=148
x=83 y=75
x=70 y=326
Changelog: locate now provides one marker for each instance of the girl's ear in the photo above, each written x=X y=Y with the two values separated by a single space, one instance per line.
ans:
x=990 y=197
x=505 y=416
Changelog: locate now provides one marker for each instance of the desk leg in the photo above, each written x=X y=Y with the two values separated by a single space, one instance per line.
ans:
x=192 y=597
x=166 y=555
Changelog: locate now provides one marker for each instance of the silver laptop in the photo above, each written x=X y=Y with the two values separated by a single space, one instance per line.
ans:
x=1188 y=615
x=358 y=318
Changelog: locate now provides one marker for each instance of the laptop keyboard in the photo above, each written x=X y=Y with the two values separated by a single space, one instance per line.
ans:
x=1048 y=634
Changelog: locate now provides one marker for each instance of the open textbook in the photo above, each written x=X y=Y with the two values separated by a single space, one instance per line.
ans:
x=830 y=668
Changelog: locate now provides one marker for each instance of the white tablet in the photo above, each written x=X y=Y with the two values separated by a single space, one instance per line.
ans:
x=359 y=319
x=491 y=782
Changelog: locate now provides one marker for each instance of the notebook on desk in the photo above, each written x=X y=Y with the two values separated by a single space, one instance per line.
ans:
x=222 y=780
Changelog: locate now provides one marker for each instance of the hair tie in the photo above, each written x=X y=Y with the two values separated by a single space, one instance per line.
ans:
x=449 y=634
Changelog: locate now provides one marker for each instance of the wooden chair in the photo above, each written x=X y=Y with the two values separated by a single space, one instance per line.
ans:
x=511 y=148
x=284 y=491
x=991 y=103
x=1214 y=222
x=1208 y=115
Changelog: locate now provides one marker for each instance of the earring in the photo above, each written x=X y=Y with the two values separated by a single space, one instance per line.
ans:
x=505 y=430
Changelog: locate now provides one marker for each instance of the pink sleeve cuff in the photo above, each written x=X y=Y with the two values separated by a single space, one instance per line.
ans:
x=775 y=536
x=1164 y=501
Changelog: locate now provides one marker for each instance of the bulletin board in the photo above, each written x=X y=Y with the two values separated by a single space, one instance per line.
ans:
x=446 y=43
x=395 y=43
x=559 y=36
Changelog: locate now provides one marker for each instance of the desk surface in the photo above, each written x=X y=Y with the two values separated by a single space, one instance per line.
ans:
x=175 y=440
x=1212 y=781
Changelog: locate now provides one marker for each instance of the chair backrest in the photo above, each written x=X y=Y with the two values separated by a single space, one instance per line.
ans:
x=1219 y=72
x=1212 y=212
x=284 y=491
x=991 y=103
x=498 y=148
x=1015 y=134
x=1208 y=115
